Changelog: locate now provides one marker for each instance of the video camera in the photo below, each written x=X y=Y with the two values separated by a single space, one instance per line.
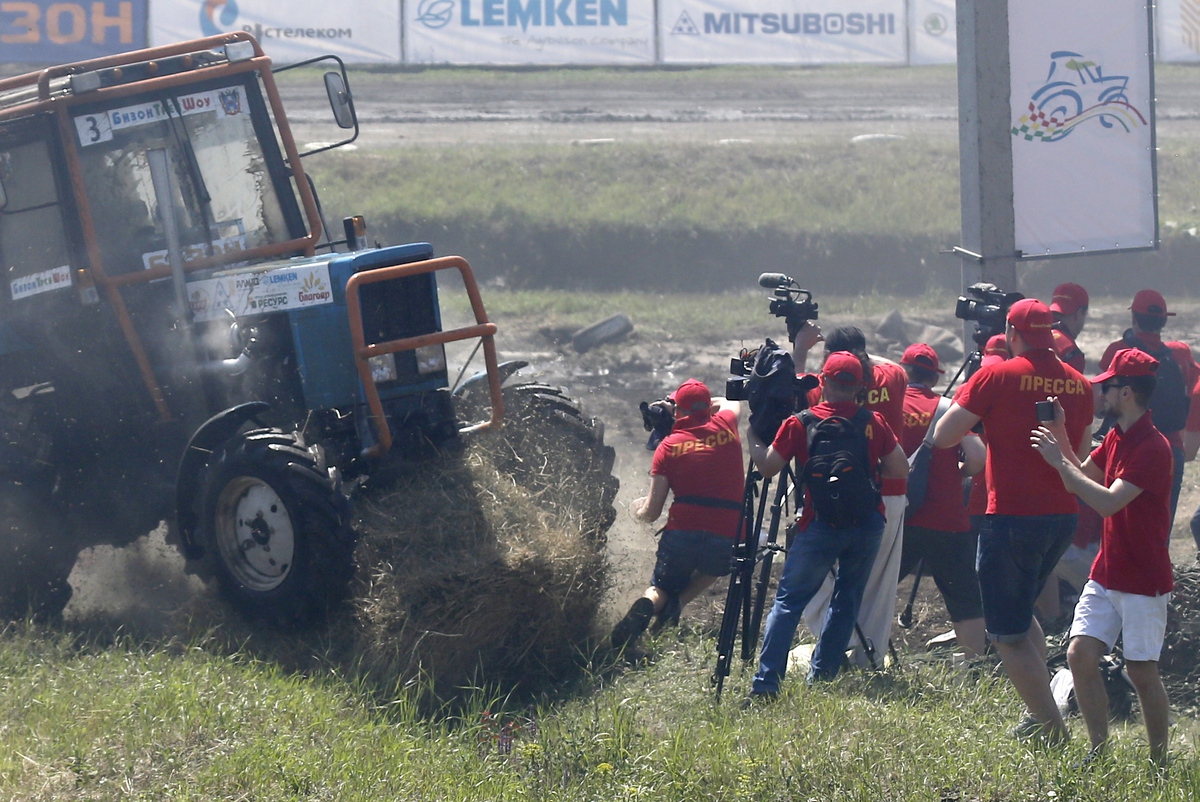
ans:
x=766 y=378
x=657 y=419
x=789 y=301
x=988 y=307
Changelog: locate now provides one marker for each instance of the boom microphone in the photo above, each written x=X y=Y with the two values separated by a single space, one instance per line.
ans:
x=773 y=280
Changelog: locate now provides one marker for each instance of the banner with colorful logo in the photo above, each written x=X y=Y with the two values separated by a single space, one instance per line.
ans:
x=782 y=31
x=1082 y=126
x=932 y=38
x=45 y=32
x=529 y=31
x=361 y=32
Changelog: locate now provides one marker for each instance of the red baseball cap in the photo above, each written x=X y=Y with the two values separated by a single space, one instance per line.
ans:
x=995 y=351
x=842 y=367
x=1068 y=298
x=1033 y=320
x=692 y=398
x=922 y=356
x=1150 y=302
x=1127 y=363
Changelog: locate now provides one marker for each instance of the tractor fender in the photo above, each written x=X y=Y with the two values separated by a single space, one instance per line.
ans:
x=203 y=443
x=479 y=380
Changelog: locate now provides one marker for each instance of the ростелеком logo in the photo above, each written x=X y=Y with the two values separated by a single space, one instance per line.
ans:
x=1076 y=90
x=217 y=16
x=435 y=13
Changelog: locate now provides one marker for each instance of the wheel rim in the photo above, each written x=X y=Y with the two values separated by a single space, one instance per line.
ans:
x=254 y=533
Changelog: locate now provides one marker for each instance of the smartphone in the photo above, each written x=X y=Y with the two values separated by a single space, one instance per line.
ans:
x=1045 y=411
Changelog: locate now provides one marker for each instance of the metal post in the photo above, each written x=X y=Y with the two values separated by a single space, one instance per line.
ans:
x=985 y=144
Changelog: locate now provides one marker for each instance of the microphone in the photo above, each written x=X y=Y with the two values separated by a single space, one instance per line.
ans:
x=773 y=280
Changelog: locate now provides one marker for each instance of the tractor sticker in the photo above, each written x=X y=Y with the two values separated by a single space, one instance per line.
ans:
x=278 y=290
x=37 y=283
x=220 y=247
x=99 y=127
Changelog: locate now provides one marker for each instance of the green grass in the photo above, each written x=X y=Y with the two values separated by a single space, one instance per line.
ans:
x=179 y=722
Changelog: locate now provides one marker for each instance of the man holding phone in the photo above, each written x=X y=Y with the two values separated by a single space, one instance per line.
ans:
x=1030 y=515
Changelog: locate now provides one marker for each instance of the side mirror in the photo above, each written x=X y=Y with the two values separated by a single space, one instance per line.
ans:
x=339 y=100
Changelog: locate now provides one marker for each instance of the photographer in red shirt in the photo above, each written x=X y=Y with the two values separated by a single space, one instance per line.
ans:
x=1127 y=480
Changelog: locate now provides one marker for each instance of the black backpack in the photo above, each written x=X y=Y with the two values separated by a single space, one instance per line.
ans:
x=1171 y=400
x=837 y=473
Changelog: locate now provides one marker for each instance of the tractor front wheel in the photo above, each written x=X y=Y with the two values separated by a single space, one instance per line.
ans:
x=275 y=529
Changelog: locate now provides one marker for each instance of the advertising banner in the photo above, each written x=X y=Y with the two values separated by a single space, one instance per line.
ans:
x=1179 y=30
x=782 y=31
x=45 y=32
x=529 y=31
x=1082 y=126
x=932 y=37
x=361 y=32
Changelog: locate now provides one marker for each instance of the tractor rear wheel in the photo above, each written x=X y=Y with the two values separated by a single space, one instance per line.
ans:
x=275 y=529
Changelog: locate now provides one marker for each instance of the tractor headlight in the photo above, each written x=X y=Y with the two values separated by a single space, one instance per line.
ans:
x=383 y=368
x=431 y=359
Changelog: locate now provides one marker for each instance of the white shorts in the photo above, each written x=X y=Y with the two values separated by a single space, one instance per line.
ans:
x=1141 y=621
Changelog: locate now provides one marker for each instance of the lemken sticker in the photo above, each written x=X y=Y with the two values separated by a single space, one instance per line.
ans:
x=261 y=292
x=37 y=283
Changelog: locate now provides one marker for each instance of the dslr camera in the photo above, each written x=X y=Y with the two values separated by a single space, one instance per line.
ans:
x=988 y=307
x=789 y=301
x=657 y=419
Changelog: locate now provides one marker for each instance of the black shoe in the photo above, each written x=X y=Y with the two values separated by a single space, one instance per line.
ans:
x=630 y=628
x=669 y=615
x=757 y=698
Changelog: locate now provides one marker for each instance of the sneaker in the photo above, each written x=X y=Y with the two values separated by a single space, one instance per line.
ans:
x=1092 y=759
x=630 y=628
x=669 y=615
x=757 y=698
x=1031 y=729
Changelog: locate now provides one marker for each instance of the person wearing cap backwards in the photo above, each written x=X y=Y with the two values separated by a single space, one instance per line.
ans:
x=700 y=462
x=1070 y=308
x=1149 y=313
x=882 y=393
x=1126 y=480
x=938 y=533
x=818 y=545
x=1030 y=515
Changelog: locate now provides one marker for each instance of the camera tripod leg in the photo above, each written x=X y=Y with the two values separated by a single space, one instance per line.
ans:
x=786 y=482
x=742 y=558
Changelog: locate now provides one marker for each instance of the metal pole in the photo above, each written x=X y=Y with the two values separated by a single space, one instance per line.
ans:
x=985 y=144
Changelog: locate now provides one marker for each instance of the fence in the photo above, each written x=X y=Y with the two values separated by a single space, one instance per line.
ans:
x=517 y=32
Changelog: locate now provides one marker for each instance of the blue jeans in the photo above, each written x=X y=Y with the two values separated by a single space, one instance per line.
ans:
x=809 y=560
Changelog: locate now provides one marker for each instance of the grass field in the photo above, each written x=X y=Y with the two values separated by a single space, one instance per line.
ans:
x=176 y=721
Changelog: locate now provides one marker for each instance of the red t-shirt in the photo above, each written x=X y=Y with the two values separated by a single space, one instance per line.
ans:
x=1068 y=351
x=791 y=441
x=704 y=459
x=1020 y=482
x=943 y=508
x=1134 y=555
x=1187 y=365
x=885 y=395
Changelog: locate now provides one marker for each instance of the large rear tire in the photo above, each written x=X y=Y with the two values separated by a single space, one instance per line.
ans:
x=275 y=530
x=37 y=554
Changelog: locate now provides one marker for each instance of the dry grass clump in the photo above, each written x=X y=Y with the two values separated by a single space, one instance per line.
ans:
x=464 y=577
x=1179 y=664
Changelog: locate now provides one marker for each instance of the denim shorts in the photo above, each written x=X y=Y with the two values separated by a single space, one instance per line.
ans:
x=1016 y=555
x=682 y=553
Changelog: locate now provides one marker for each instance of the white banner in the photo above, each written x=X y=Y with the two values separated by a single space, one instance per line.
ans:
x=932 y=37
x=1178 y=30
x=529 y=31
x=782 y=31
x=1082 y=126
x=360 y=32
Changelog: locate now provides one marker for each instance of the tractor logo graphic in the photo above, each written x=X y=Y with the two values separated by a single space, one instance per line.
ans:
x=217 y=16
x=435 y=13
x=1077 y=91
